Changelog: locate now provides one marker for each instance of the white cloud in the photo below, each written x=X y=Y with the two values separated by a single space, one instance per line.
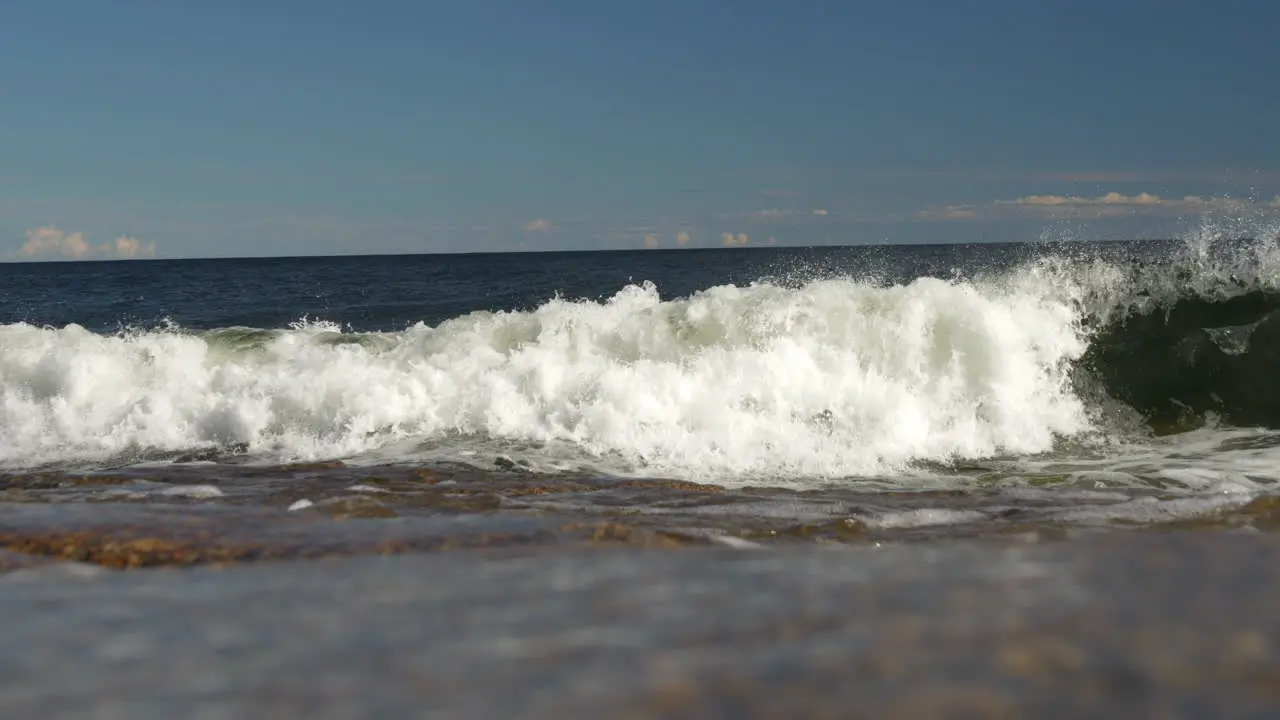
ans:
x=1111 y=198
x=682 y=238
x=1112 y=204
x=951 y=212
x=538 y=225
x=51 y=242
x=781 y=213
x=731 y=240
x=127 y=246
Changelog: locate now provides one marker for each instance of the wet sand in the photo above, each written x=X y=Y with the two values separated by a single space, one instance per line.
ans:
x=461 y=593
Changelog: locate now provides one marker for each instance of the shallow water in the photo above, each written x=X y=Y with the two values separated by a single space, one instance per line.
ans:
x=209 y=513
x=1152 y=625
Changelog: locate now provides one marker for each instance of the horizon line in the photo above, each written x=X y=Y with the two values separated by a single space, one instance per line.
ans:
x=636 y=250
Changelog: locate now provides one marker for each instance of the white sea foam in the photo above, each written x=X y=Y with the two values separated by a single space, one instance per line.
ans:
x=832 y=378
x=924 y=517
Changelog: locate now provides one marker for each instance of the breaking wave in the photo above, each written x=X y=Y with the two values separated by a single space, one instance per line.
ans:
x=829 y=378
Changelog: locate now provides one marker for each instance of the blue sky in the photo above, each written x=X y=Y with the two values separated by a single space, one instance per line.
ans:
x=280 y=127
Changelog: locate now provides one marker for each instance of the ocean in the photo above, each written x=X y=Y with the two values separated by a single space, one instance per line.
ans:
x=926 y=481
x=942 y=387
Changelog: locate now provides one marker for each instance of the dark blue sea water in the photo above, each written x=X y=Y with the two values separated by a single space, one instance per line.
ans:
x=391 y=292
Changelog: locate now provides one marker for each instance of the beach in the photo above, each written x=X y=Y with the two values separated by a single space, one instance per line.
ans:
x=1149 y=624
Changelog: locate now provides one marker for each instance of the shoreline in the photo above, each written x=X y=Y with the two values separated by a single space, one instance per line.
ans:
x=218 y=514
x=1122 y=625
x=324 y=591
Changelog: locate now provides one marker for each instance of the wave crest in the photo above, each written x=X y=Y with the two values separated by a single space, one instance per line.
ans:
x=827 y=378
x=834 y=377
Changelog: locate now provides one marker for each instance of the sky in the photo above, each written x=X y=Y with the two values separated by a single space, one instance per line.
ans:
x=177 y=128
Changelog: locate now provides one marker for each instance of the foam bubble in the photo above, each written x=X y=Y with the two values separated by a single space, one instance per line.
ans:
x=831 y=378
